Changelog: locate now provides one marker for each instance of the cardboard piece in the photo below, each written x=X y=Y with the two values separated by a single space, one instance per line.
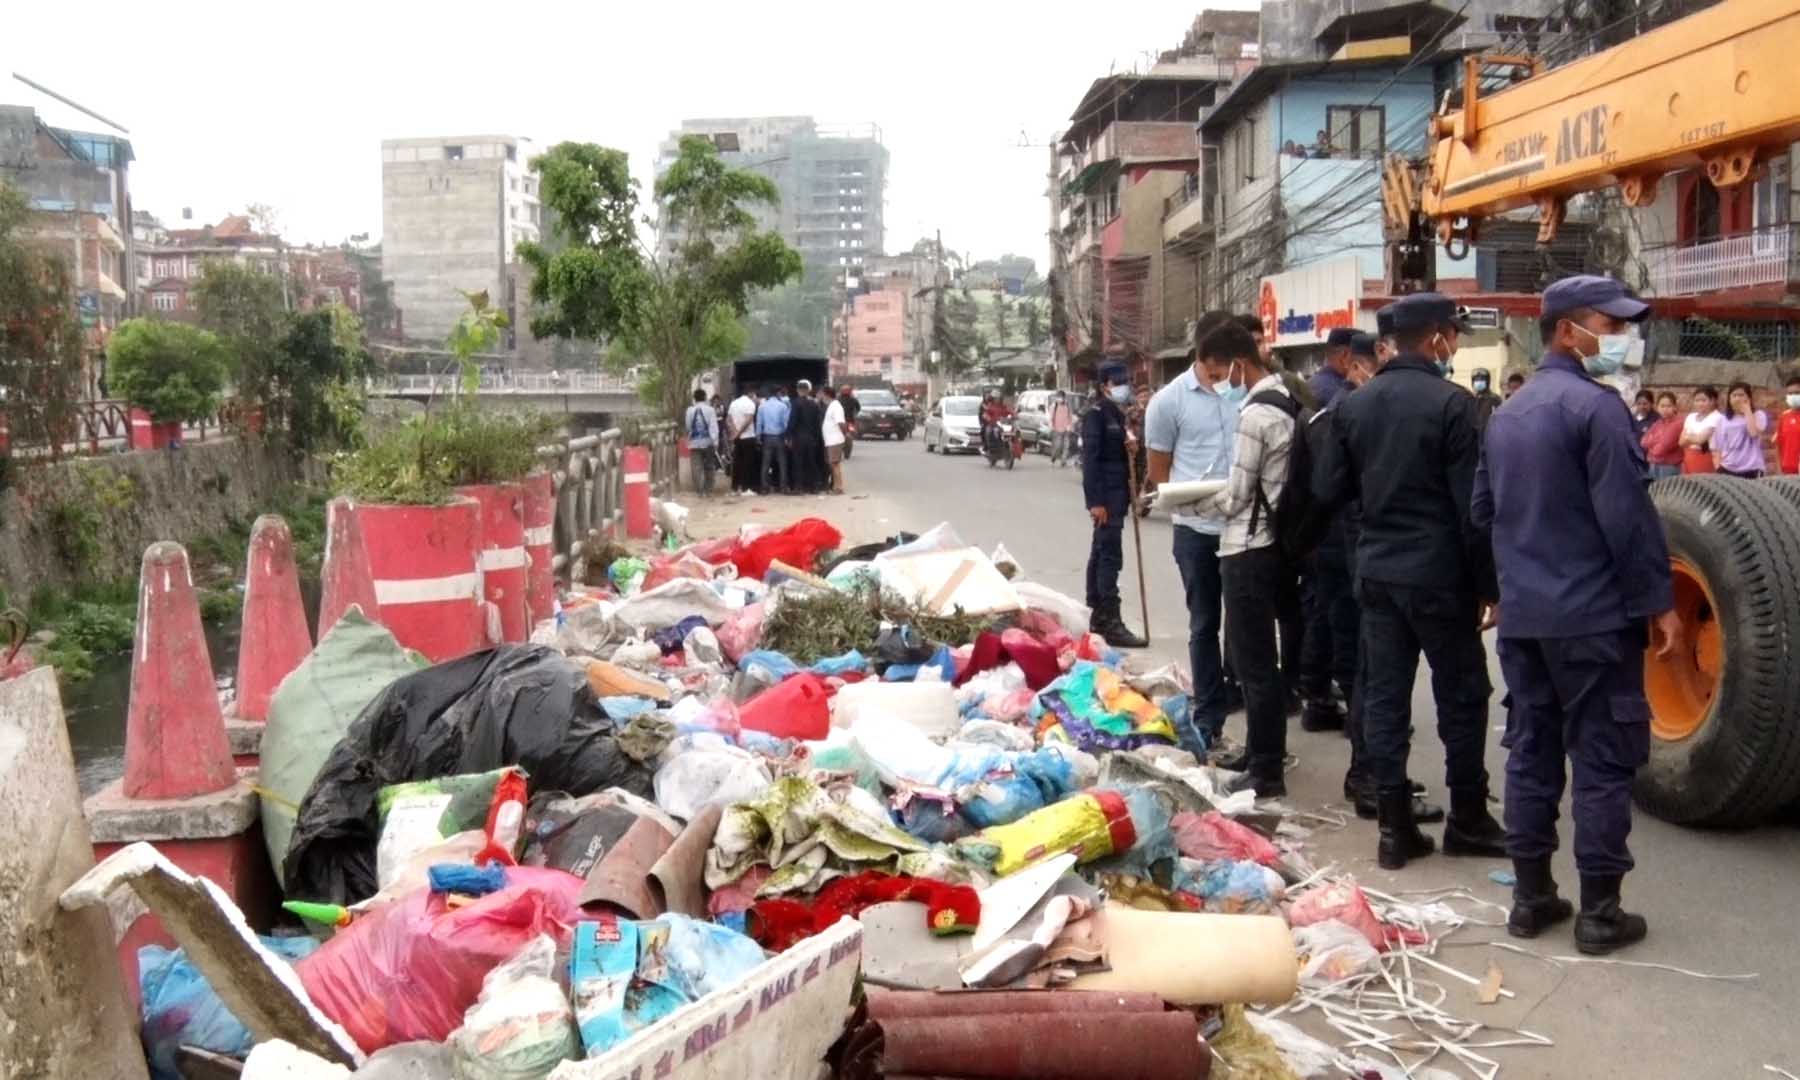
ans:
x=677 y=879
x=900 y=951
x=1194 y=958
x=622 y=876
x=260 y=989
x=946 y=581
x=776 y=1024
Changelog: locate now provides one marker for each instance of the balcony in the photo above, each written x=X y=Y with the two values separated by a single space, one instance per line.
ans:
x=1767 y=256
x=1186 y=213
x=1133 y=141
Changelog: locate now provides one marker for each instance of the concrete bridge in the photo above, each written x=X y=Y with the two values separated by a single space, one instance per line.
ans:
x=576 y=393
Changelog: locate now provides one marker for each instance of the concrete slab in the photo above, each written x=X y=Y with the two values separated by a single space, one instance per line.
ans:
x=245 y=736
x=114 y=818
x=63 y=1007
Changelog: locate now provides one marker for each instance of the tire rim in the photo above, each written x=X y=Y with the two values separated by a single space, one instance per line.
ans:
x=1682 y=688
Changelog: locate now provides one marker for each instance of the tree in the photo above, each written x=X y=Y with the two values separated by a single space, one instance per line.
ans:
x=171 y=370
x=315 y=386
x=678 y=305
x=1034 y=322
x=1000 y=327
x=247 y=309
x=41 y=349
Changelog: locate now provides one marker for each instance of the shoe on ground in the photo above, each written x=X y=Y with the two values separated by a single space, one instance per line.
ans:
x=1603 y=925
x=1471 y=829
x=1536 y=906
x=1424 y=812
x=1236 y=759
x=1265 y=786
x=1399 y=840
x=1322 y=714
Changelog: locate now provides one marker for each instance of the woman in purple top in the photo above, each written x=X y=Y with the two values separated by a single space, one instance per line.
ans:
x=1738 y=442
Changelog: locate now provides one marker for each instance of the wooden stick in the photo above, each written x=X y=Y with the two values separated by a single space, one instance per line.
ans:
x=1137 y=535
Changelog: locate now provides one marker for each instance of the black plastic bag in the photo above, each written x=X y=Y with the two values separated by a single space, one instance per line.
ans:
x=902 y=644
x=524 y=705
x=865 y=552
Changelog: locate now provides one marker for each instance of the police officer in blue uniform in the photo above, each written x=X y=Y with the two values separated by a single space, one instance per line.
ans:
x=1584 y=577
x=1406 y=446
x=1105 y=482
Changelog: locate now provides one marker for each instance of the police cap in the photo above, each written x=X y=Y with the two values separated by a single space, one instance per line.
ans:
x=1340 y=337
x=1114 y=371
x=1363 y=345
x=1384 y=321
x=1595 y=293
x=1427 y=311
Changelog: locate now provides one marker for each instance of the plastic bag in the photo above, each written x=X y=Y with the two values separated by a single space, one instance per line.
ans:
x=1226 y=887
x=1345 y=902
x=1212 y=836
x=627 y=575
x=181 y=1008
x=852 y=661
x=626 y=976
x=1032 y=780
x=682 y=564
x=940 y=537
x=521 y=1027
x=1074 y=616
x=411 y=969
x=798 y=545
x=419 y=814
x=767 y=666
x=739 y=634
x=701 y=649
x=1331 y=952
x=693 y=778
x=1005 y=563
x=1092 y=825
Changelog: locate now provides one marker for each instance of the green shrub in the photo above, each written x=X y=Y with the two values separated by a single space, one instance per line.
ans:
x=424 y=460
x=173 y=371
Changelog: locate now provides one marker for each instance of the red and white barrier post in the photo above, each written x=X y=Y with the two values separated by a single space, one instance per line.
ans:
x=540 y=535
x=636 y=465
x=274 y=637
x=503 y=560
x=425 y=562
x=345 y=578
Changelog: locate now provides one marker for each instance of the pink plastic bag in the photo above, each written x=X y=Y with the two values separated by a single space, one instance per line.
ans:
x=1045 y=627
x=410 y=969
x=1212 y=835
x=1345 y=902
x=740 y=633
x=682 y=564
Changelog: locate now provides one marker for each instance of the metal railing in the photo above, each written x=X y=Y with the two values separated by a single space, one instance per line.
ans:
x=1190 y=190
x=1763 y=257
x=103 y=426
x=588 y=478
x=531 y=382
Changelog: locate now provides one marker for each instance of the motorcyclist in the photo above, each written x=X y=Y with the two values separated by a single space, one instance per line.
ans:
x=994 y=410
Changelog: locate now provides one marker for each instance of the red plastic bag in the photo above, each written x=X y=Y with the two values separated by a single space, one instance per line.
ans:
x=682 y=564
x=798 y=545
x=1345 y=902
x=410 y=969
x=1212 y=835
x=797 y=707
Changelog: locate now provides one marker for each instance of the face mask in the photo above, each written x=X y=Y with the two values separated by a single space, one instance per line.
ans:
x=1480 y=386
x=1231 y=393
x=1442 y=362
x=1121 y=395
x=1793 y=401
x=1612 y=352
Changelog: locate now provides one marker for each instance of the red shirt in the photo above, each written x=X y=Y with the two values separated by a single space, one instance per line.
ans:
x=1787 y=440
x=1662 y=443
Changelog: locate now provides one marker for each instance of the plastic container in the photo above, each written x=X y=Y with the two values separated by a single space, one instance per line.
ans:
x=795 y=708
x=928 y=706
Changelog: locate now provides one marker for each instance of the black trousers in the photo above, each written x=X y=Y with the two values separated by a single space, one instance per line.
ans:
x=775 y=475
x=1328 y=647
x=1398 y=622
x=807 y=456
x=1583 y=698
x=746 y=462
x=1106 y=559
x=1253 y=582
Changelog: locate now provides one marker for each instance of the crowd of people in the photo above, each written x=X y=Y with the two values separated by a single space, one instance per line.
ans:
x=1396 y=514
x=783 y=440
x=1706 y=438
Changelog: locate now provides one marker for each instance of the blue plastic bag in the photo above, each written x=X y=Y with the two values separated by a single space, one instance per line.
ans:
x=181 y=1009
x=767 y=665
x=1038 y=779
x=942 y=660
x=853 y=660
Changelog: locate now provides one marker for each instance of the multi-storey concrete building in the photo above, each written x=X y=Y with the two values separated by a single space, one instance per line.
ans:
x=453 y=210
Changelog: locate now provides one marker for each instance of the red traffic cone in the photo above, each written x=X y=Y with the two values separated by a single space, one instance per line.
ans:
x=274 y=638
x=345 y=578
x=175 y=744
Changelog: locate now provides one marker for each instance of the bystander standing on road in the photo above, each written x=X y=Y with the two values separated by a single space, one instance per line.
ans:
x=1328 y=644
x=1738 y=441
x=852 y=408
x=1105 y=446
x=1514 y=383
x=1662 y=441
x=1290 y=613
x=771 y=429
x=1787 y=430
x=746 y=459
x=702 y=426
x=1481 y=381
x=806 y=453
x=1062 y=428
x=1406 y=446
x=835 y=439
x=1189 y=429
x=1697 y=430
x=1584 y=568
x=1251 y=565
x=1643 y=414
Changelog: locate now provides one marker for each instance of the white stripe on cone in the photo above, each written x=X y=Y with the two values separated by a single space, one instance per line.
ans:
x=539 y=535
x=503 y=558
x=637 y=478
x=428 y=590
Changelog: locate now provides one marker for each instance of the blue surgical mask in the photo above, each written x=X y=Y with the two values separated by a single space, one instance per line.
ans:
x=1614 y=348
x=1121 y=394
x=1480 y=386
x=1232 y=394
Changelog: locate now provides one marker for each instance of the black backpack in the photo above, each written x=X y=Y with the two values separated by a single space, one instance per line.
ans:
x=1298 y=520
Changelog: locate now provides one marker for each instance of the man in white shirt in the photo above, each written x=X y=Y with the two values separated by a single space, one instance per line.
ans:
x=834 y=438
x=1250 y=562
x=740 y=423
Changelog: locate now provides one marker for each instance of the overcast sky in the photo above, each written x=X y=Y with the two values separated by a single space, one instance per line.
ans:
x=229 y=104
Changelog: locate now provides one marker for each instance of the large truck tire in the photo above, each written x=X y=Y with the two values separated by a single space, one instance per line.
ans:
x=1725 y=745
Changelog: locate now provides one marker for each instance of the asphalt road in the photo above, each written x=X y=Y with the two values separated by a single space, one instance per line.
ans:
x=1723 y=902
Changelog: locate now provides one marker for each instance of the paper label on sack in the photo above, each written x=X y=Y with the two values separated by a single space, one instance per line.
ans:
x=411 y=827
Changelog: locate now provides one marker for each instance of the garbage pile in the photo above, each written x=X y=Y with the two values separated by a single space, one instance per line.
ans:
x=528 y=860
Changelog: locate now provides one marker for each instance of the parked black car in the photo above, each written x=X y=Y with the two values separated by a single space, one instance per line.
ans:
x=882 y=415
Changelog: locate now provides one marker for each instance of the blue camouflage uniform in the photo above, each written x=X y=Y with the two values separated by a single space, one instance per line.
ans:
x=1583 y=565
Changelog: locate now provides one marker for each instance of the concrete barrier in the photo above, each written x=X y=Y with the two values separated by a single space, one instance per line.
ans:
x=64 y=1010
x=345 y=578
x=274 y=638
x=503 y=560
x=540 y=546
x=638 y=523
x=427 y=574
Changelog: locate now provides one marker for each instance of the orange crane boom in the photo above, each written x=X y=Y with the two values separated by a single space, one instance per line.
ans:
x=1708 y=90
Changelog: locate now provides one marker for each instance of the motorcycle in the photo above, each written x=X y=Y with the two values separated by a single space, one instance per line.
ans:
x=1003 y=444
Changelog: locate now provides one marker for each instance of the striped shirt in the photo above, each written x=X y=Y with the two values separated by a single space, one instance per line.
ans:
x=1259 y=456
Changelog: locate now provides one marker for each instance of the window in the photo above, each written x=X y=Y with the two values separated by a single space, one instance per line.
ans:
x=453 y=153
x=1772 y=194
x=871 y=328
x=512 y=182
x=1355 y=131
x=887 y=363
x=513 y=212
x=512 y=152
x=162 y=268
x=1243 y=148
x=163 y=301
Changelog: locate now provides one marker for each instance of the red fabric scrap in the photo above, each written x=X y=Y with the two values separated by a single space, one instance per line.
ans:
x=783 y=922
x=797 y=545
x=1036 y=659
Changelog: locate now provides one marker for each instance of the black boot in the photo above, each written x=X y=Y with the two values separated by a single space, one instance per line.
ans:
x=1603 y=925
x=1471 y=830
x=1424 y=813
x=1400 y=838
x=1268 y=783
x=1536 y=907
x=1322 y=714
x=1112 y=629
